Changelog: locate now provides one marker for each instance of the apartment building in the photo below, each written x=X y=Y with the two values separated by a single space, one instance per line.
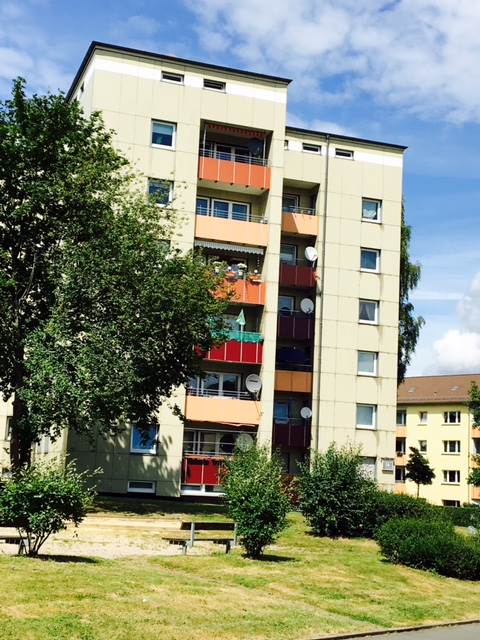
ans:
x=433 y=417
x=305 y=226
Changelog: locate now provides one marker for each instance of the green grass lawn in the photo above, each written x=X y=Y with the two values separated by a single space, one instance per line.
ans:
x=304 y=587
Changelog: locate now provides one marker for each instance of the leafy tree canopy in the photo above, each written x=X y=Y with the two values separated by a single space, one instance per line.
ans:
x=408 y=326
x=418 y=469
x=474 y=406
x=100 y=318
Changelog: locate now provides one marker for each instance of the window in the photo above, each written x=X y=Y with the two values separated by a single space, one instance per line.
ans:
x=400 y=474
x=451 y=417
x=215 y=85
x=167 y=76
x=8 y=431
x=288 y=254
x=161 y=191
x=135 y=486
x=401 y=418
x=371 y=210
x=43 y=445
x=367 y=363
x=451 y=477
x=286 y=305
x=144 y=440
x=366 y=416
x=451 y=446
x=289 y=202
x=369 y=467
x=210 y=443
x=368 y=311
x=451 y=503
x=163 y=134
x=281 y=412
x=370 y=260
x=400 y=446
x=344 y=153
x=311 y=148
x=422 y=446
x=285 y=145
x=217 y=384
x=223 y=209
x=423 y=417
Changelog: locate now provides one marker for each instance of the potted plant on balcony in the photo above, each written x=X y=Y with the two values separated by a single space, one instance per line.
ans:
x=218 y=267
x=254 y=276
x=241 y=269
x=230 y=274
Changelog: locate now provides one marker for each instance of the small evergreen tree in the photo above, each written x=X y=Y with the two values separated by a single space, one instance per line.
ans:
x=418 y=469
x=336 y=496
x=255 y=497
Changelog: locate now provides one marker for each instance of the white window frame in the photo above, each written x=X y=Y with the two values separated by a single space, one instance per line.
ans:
x=374 y=361
x=447 y=447
x=174 y=78
x=199 y=440
x=231 y=215
x=372 y=409
x=155 y=185
x=423 y=446
x=378 y=208
x=452 y=417
x=8 y=430
x=174 y=135
x=372 y=305
x=199 y=384
x=451 y=477
x=401 y=412
x=288 y=258
x=295 y=202
x=400 y=446
x=214 y=85
x=287 y=305
x=147 y=448
x=346 y=154
x=281 y=417
x=311 y=148
x=376 y=254
x=400 y=475
x=423 y=417
x=451 y=503
x=131 y=488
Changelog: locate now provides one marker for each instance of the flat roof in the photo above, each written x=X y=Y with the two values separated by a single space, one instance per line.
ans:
x=172 y=59
x=436 y=389
x=339 y=136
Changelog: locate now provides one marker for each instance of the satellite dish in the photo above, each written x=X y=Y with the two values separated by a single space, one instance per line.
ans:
x=253 y=383
x=255 y=146
x=311 y=254
x=244 y=441
x=307 y=306
x=306 y=413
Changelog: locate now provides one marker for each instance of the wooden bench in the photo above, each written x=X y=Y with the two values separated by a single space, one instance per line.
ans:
x=194 y=527
x=11 y=537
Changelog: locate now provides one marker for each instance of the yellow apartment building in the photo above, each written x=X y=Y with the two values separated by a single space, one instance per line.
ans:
x=433 y=417
x=305 y=226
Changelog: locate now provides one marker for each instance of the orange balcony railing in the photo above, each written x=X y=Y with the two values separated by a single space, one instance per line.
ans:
x=245 y=174
x=300 y=381
x=228 y=230
x=223 y=410
x=245 y=291
x=300 y=223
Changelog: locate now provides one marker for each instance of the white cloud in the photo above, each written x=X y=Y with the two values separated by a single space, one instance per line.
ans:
x=419 y=55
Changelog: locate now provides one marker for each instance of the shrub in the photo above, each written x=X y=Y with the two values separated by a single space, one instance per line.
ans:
x=430 y=545
x=386 y=505
x=255 y=497
x=335 y=495
x=463 y=516
x=39 y=500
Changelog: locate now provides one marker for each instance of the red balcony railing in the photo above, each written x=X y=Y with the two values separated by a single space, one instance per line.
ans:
x=295 y=326
x=235 y=351
x=201 y=469
x=297 y=275
x=291 y=433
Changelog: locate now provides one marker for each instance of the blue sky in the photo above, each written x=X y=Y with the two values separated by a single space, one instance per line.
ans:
x=399 y=71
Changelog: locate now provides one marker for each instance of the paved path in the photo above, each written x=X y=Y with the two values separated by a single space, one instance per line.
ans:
x=457 y=632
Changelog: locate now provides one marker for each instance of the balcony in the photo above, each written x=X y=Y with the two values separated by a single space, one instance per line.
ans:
x=235 y=170
x=199 y=470
x=253 y=231
x=292 y=380
x=400 y=459
x=244 y=291
x=292 y=325
x=297 y=275
x=243 y=346
x=401 y=431
x=475 y=493
x=291 y=433
x=233 y=408
x=400 y=488
x=300 y=220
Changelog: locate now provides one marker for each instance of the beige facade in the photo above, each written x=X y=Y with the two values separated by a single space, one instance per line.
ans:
x=433 y=417
x=307 y=225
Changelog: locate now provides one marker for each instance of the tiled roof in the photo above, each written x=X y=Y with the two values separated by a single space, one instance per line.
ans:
x=433 y=389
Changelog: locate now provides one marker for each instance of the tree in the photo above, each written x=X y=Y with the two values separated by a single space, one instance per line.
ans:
x=408 y=326
x=474 y=406
x=100 y=318
x=39 y=500
x=255 y=497
x=335 y=494
x=418 y=470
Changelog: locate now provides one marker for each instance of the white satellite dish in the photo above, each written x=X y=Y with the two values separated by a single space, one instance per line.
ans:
x=306 y=413
x=253 y=383
x=244 y=441
x=311 y=254
x=307 y=306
